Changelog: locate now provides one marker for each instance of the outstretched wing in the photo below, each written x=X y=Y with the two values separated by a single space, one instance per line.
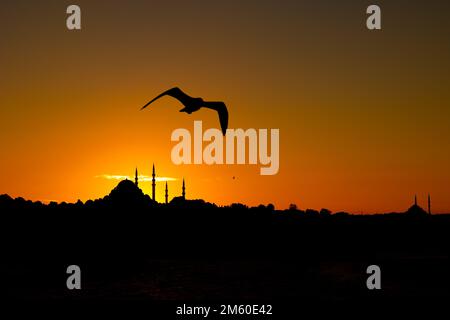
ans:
x=175 y=93
x=221 y=108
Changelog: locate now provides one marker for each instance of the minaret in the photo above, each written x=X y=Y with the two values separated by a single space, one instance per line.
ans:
x=429 y=204
x=415 y=199
x=153 y=184
x=167 y=194
x=183 y=193
x=136 y=178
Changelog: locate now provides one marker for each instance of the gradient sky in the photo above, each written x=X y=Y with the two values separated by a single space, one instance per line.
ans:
x=363 y=116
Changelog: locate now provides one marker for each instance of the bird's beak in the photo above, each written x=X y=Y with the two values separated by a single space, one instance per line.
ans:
x=183 y=110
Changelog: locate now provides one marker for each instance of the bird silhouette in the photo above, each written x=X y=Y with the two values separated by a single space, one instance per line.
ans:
x=194 y=104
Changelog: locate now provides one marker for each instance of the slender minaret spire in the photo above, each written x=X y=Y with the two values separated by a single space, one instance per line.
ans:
x=183 y=193
x=429 y=204
x=153 y=183
x=136 y=178
x=415 y=199
x=167 y=194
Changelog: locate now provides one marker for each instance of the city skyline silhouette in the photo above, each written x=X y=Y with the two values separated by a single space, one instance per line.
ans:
x=130 y=191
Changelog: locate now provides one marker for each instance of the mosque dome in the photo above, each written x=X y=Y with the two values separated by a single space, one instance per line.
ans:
x=127 y=193
x=126 y=186
x=416 y=210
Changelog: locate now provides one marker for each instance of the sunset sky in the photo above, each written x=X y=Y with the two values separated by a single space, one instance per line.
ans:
x=364 y=116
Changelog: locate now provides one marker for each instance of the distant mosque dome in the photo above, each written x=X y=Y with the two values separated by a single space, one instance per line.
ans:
x=178 y=200
x=416 y=210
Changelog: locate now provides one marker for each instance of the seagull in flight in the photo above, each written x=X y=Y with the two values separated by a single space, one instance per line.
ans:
x=194 y=104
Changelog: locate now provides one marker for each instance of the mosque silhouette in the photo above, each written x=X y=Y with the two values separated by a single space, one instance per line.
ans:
x=415 y=209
